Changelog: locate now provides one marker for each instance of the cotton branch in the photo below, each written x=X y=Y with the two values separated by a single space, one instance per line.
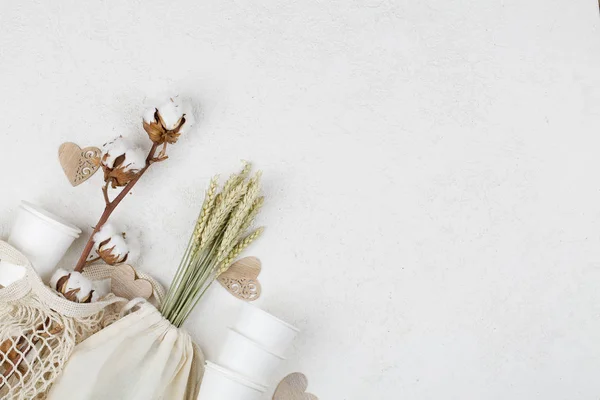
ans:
x=112 y=205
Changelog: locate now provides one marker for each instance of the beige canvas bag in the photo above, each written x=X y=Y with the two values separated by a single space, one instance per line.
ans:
x=139 y=357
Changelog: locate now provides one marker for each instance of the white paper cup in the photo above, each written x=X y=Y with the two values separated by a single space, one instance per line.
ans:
x=265 y=329
x=42 y=237
x=220 y=383
x=246 y=357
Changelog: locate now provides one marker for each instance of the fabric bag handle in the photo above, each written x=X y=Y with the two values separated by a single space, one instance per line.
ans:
x=97 y=272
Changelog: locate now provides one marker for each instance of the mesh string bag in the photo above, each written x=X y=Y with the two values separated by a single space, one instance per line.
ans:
x=39 y=329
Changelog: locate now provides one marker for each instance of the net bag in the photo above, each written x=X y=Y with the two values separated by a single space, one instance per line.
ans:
x=39 y=329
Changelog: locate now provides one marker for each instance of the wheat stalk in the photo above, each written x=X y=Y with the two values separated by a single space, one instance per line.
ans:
x=238 y=215
x=251 y=216
x=233 y=181
x=220 y=215
x=194 y=242
x=207 y=207
x=237 y=250
x=219 y=237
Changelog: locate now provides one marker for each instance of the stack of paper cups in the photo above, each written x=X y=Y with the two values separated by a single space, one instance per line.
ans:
x=251 y=352
x=42 y=237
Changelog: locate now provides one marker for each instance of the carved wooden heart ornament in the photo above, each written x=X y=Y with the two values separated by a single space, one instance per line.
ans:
x=77 y=163
x=124 y=283
x=293 y=387
x=241 y=279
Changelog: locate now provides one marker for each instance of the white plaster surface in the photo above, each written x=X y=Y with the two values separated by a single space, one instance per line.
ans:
x=431 y=168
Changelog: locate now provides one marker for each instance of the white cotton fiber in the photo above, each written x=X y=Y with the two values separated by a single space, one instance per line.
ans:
x=171 y=112
x=187 y=109
x=101 y=288
x=171 y=109
x=133 y=242
x=114 y=149
x=59 y=273
x=135 y=159
x=118 y=245
x=106 y=232
x=78 y=281
x=149 y=115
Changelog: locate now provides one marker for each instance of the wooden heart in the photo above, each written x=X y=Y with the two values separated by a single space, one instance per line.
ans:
x=293 y=387
x=241 y=279
x=79 y=164
x=124 y=284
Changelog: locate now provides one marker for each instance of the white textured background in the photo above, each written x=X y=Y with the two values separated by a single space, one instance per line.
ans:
x=431 y=168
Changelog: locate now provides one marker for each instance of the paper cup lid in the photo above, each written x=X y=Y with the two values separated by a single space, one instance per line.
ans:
x=236 y=377
x=52 y=219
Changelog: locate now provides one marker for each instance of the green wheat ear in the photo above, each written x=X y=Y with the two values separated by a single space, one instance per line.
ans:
x=221 y=233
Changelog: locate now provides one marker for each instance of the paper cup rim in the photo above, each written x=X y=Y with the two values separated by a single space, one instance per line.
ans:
x=282 y=322
x=236 y=377
x=263 y=348
x=52 y=219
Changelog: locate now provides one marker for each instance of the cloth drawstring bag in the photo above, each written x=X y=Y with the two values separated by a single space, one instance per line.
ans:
x=142 y=356
x=39 y=329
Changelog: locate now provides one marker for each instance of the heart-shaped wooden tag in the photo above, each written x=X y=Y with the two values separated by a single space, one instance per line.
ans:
x=79 y=164
x=124 y=283
x=293 y=387
x=241 y=279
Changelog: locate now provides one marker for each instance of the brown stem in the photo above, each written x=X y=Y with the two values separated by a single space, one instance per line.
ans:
x=110 y=207
x=90 y=261
x=163 y=152
x=105 y=194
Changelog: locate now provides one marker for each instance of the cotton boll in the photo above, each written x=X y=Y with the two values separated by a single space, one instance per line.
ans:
x=185 y=108
x=135 y=159
x=170 y=123
x=171 y=112
x=78 y=281
x=85 y=291
x=113 y=250
x=75 y=282
x=59 y=273
x=122 y=162
x=106 y=232
x=115 y=149
x=149 y=115
x=119 y=246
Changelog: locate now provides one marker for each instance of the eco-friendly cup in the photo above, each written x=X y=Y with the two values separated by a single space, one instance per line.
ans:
x=265 y=329
x=42 y=237
x=248 y=358
x=219 y=383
